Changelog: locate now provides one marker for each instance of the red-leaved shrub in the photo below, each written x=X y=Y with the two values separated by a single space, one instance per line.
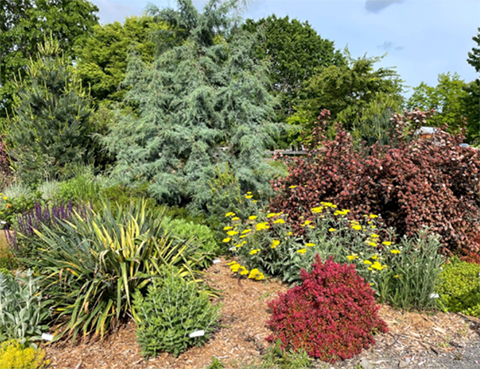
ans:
x=332 y=315
x=410 y=182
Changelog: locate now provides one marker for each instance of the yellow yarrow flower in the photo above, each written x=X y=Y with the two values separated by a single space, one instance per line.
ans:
x=317 y=210
x=275 y=243
x=292 y=186
x=232 y=263
x=244 y=235
x=236 y=218
x=395 y=276
x=279 y=221
x=374 y=235
x=246 y=231
x=332 y=230
x=357 y=227
x=225 y=240
x=232 y=233
x=309 y=244
x=261 y=226
x=352 y=257
x=375 y=257
x=253 y=273
x=229 y=214
x=377 y=265
x=271 y=215
x=252 y=217
x=248 y=196
x=234 y=268
x=395 y=251
x=372 y=244
x=368 y=262
x=387 y=243
x=373 y=216
x=227 y=228
x=289 y=233
x=302 y=251
x=253 y=252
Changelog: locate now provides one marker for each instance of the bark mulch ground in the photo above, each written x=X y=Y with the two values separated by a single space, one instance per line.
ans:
x=414 y=340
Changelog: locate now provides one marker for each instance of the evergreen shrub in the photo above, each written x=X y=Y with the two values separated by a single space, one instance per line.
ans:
x=411 y=182
x=332 y=315
x=170 y=311
x=459 y=288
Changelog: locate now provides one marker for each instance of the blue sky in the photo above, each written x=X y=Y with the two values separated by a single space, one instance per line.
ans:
x=422 y=37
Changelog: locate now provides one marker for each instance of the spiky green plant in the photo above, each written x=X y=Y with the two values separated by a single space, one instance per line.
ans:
x=92 y=266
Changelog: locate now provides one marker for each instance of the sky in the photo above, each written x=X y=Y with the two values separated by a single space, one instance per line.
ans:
x=422 y=38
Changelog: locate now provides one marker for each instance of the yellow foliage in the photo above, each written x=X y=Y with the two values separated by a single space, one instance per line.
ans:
x=14 y=356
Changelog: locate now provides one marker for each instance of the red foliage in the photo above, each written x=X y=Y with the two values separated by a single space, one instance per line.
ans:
x=410 y=182
x=331 y=315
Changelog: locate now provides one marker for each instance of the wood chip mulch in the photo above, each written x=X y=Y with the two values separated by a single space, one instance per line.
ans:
x=241 y=337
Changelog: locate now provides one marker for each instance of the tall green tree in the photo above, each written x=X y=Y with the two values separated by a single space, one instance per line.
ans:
x=102 y=58
x=472 y=99
x=50 y=131
x=24 y=24
x=348 y=91
x=446 y=98
x=295 y=51
x=200 y=105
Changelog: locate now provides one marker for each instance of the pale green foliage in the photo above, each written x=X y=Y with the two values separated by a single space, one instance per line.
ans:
x=459 y=288
x=191 y=101
x=171 y=310
x=446 y=98
x=22 y=309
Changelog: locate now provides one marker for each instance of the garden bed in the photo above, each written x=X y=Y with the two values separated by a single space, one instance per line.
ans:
x=425 y=340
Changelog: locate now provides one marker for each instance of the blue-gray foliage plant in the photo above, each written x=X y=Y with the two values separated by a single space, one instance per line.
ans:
x=199 y=105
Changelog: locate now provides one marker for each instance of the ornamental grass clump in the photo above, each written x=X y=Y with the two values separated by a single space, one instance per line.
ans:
x=332 y=315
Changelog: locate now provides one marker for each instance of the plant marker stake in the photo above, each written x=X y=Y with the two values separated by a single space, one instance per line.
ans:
x=434 y=296
x=216 y=261
x=47 y=337
x=197 y=334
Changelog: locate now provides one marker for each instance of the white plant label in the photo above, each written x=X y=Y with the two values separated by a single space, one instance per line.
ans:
x=47 y=337
x=434 y=296
x=197 y=334
x=216 y=261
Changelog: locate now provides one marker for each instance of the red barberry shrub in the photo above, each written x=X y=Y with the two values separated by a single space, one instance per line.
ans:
x=332 y=315
x=410 y=182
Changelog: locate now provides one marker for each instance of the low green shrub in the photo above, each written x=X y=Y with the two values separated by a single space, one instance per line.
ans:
x=14 y=355
x=169 y=313
x=92 y=266
x=84 y=187
x=412 y=275
x=459 y=288
x=277 y=358
x=23 y=312
x=200 y=235
x=16 y=200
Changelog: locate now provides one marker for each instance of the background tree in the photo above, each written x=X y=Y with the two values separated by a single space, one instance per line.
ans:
x=103 y=57
x=472 y=99
x=295 y=51
x=447 y=99
x=50 y=129
x=23 y=27
x=346 y=91
x=193 y=100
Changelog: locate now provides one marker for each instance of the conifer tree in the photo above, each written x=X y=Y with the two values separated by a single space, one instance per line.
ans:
x=51 y=128
x=199 y=106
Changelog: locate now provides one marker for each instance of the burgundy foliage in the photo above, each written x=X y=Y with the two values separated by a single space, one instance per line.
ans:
x=410 y=182
x=332 y=315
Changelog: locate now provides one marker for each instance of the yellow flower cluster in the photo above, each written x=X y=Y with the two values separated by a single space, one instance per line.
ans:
x=253 y=274
x=275 y=243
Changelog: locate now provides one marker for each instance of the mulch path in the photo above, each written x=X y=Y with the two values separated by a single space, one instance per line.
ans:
x=240 y=340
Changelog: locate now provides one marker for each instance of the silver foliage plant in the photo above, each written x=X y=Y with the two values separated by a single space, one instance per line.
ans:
x=201 y=104
x=23 y=311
